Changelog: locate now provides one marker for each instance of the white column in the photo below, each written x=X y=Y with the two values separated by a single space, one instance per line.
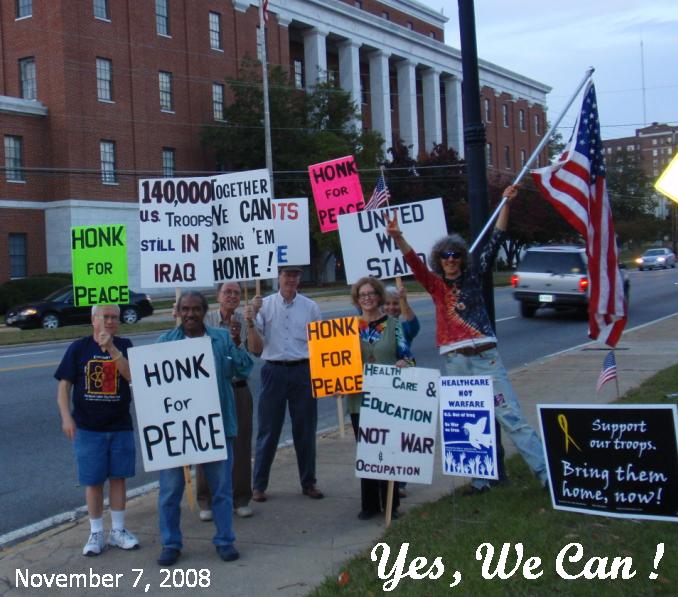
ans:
x=454 y=114
x=432 y=120
x=349 y=72
x=315 y=57
x=407 y=105
x=380 y=99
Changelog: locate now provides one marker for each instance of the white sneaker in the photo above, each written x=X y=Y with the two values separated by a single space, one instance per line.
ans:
x=95 y=544
x=205 y=515
x=123 y=539
x=244 y=511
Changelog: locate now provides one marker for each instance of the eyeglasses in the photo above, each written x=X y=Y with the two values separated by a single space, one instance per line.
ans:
x=366 y=295
x=108 y=317
x=453 y=254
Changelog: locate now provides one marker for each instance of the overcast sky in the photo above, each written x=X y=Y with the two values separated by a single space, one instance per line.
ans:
x=555 y=42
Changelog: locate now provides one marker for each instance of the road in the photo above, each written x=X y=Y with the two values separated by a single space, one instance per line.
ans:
x=37 y=469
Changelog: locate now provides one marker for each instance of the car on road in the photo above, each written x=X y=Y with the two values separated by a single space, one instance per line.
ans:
x=656 y=258
x=554 y=276
x=57 y=309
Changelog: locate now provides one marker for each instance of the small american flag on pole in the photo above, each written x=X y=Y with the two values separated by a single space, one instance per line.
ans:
x=575 y=186
x=609 y=371
x=380 y=196
x=264 y=10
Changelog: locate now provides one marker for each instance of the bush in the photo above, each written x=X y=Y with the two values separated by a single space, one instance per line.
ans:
x=16 y=292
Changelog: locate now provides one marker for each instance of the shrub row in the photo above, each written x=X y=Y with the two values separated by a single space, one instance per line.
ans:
x=23 y=290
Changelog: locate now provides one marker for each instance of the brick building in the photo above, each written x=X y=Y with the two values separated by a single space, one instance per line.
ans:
x=97 y=93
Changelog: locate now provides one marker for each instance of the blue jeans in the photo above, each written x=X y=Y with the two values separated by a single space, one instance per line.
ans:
x=172 y=489
x=506 y=408
x=281 y=386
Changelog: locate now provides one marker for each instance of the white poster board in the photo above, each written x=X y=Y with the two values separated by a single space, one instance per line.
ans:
x=176 y=400
x=468 y=441
x=369 y=251
x=291 y=231
x=174 y=232
x=398 y=420
x=243 y=229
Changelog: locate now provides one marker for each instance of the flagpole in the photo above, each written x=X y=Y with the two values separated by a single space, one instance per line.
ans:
x=267 y=112
x=535 y=153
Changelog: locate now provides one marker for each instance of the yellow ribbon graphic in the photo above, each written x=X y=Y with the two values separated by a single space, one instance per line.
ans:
x=562 y=422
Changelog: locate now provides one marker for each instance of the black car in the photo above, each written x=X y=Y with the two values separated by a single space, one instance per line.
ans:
x=58 y=309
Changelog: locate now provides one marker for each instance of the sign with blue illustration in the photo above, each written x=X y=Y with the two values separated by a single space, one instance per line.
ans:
x=468 y=442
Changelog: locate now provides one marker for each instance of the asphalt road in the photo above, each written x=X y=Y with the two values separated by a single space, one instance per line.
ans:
x=37 y=470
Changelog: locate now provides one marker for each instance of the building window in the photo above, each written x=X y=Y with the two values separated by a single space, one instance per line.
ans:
x=104 y=80
x=24 y=8
x=432 y=34
x=162 y=24
x=505 y=115
x=507 y=156
x=654 y=141
x=488 y=154
x=218 y=101
x=523 y=157
x=488 y=110
x=521 y=119
x=27 y=78
x=101 y=10
x=298 y=74
x=165 y=86
x=168 y=165
x=537 y=125
x=410 y=25
x=14 y=160
x=358 y=4
x=18 y=256
x=215 y=31
x=654 y=152
x=385 y=15
x=630 y=148
x=107 y=153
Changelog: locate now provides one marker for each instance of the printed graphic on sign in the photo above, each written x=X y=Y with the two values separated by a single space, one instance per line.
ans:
x=291 y=231
x=243 y=234
x=612 y=460
x=336 y=190
x=334 y=354
x=469 y=446
x=369 y=251
x=175 y=232
x=99 y=261
x=177 y=405
x=398 y=420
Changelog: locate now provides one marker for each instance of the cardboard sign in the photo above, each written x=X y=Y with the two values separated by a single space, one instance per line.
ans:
x=369 y=251
x=612 y=460
x=336 y=190
x=243 y=234
x=175 y=237
x=334 y=355
x=398 y=419
x=292 y=235
x=99 y=262
x=667 y=183
x=176 y=400
x=469 y=444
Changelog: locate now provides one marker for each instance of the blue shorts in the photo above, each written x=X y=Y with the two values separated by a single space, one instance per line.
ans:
x=104 y=455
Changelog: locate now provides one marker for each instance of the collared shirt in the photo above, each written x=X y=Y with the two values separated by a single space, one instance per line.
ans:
x=229 y=361
x=282 y=326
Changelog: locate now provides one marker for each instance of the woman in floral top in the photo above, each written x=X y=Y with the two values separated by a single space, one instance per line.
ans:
x=381 y=341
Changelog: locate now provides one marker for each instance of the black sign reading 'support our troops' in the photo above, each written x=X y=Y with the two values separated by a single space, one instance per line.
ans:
x=612 y=460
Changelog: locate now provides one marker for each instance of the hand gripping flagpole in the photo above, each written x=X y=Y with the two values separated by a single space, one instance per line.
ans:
x=535 y=153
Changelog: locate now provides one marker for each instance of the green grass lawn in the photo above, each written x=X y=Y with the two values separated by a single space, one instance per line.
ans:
x=454 y=527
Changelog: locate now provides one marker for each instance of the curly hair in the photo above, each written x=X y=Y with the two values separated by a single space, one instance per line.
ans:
x=452 y=242
x=375 y=283
x=194 y=293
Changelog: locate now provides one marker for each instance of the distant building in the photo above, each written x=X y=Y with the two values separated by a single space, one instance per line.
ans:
x=656 y=146
x=96 y=94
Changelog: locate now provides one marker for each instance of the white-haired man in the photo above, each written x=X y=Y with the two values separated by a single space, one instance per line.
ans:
x=94 y=372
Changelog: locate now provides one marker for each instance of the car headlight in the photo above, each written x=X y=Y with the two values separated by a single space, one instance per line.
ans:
x=639 y=260
x=661 y=259
x=29 y=311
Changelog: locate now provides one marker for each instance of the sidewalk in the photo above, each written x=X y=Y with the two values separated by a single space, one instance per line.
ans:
x=293 y=542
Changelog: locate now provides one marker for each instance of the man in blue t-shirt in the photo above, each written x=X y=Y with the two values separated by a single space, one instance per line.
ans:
x=96 y=373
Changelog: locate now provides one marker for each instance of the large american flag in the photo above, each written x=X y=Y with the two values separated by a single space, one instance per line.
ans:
x=575 y=186
x=380 y=195
x=608 y=372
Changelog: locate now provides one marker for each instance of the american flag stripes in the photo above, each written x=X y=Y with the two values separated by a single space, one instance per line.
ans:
x=575 y=186
x=264 y=9
x=609 y=371
x=380 y=196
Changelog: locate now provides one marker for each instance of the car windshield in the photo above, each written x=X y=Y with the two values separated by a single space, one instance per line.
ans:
x=552 y=262
x=653 y=252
